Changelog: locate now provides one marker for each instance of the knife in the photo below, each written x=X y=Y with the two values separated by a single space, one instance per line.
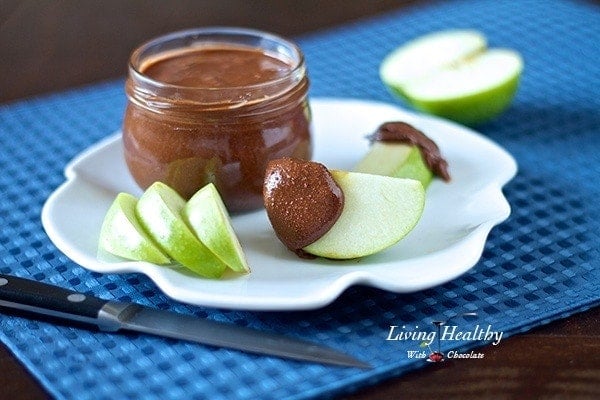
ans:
x=41 y=298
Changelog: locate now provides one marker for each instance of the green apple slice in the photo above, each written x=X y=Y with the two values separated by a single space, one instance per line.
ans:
x=459 y=78
x=159 y=211
x=206 y=214
x=378 y=212
x=122 y=235
x=395 y=159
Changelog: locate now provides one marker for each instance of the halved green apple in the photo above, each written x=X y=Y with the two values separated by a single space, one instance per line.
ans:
x=426 y=55
x=206 y=214
x=159 y=211
x=453 y=75
x=395 y=159
x=378 y=212
x=122 y=234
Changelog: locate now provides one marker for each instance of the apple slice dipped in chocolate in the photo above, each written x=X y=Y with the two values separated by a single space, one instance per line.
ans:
x=339 y=214
x=400 y=150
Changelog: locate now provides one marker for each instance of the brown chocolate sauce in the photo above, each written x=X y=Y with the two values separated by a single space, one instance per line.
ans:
x=302 y=201
x=216 y=114
x=404 y=133
x=215 y=67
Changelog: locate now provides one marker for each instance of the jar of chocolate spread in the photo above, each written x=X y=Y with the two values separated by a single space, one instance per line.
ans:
x=215 y=105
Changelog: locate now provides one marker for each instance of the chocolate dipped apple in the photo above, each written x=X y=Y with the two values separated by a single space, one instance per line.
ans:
x=399 y=149
x=338 y=214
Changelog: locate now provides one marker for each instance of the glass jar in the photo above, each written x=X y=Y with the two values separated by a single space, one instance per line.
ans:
x=215 y=105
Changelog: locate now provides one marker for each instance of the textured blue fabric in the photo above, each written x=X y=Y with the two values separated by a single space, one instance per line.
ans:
x=542 y=264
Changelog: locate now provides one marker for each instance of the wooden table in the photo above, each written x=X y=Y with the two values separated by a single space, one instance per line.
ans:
x=57 y=45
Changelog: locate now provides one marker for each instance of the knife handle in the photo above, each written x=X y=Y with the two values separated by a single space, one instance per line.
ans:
x=42 y=298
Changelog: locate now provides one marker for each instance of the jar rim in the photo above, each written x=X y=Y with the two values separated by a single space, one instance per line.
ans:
x=199 y=35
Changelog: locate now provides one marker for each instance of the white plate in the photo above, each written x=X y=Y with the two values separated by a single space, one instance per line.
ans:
x=447 y=242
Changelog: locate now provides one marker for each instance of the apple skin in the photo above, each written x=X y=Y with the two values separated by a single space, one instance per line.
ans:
x=398 y=160
x=206 y=214
x=473 y=109
x=159 y=211
x=415 y=168
x=378 y=212
x=122 y=235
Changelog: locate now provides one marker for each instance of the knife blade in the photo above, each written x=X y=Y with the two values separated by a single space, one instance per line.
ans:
x=55 y=301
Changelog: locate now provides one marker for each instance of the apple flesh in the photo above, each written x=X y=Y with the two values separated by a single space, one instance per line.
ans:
x=206 y=214
x=472 y=92
x=453 y=75
x=395 y=159
x=160 y=212
x=426 y=55
x=378 y=212
x=122 y=234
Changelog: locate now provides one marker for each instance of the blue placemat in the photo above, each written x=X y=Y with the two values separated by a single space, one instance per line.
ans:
x=542 y=264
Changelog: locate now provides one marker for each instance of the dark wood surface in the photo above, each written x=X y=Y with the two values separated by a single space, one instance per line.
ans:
x=49 y=46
